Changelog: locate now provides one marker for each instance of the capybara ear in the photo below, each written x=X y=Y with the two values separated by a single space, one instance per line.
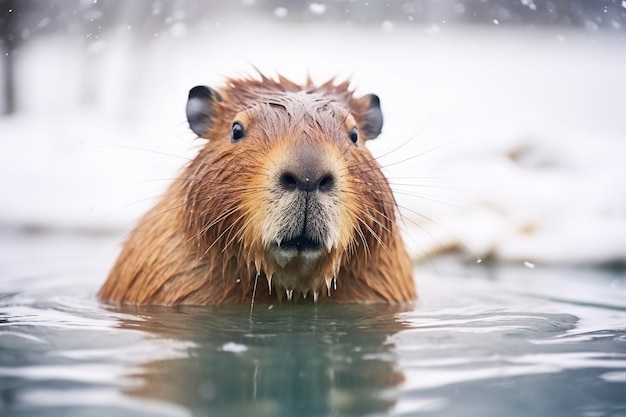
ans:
x=200 y=108
x=373 y=117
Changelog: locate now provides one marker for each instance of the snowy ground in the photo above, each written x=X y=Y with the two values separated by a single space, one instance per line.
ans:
x=498 y=142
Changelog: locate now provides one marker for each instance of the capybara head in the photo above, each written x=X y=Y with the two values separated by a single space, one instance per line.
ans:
x=285 y=181
x=284 y=188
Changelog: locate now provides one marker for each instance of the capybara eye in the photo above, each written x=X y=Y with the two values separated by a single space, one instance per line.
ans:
x=354 y=135
x=237 y=133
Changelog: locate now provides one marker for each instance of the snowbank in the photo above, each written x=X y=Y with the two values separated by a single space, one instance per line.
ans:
x=498 y=143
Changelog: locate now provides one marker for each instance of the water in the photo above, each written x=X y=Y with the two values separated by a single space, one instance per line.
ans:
x=483 y=340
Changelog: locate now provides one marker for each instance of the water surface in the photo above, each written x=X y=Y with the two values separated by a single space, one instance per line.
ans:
x=483 y=340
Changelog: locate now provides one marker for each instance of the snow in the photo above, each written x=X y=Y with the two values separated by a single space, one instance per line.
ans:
x=500 y=143
x=281 y=12
x=317 y=8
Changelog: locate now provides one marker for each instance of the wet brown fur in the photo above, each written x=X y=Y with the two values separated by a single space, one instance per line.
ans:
x=200 y=244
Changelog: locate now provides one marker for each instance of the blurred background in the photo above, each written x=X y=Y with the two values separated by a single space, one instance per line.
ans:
x=504 y=120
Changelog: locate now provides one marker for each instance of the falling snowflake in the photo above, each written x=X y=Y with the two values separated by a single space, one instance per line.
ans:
x=317 y=8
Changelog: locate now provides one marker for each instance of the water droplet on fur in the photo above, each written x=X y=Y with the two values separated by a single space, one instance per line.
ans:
x=269 y=283
x=335 y=283
x=316 y=295
x=305 y=293
x=328 y=284
x=289 y=294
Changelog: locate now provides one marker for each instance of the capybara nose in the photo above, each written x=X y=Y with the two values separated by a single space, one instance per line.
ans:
x=290 y=181
x=308 y=170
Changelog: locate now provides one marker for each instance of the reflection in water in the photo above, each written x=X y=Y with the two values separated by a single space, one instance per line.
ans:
x=291 y=360
x=482 y=341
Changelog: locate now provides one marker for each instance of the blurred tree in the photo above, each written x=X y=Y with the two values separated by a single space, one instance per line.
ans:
x=8 y=18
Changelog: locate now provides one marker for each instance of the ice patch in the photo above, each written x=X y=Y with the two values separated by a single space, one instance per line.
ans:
x=234 y=347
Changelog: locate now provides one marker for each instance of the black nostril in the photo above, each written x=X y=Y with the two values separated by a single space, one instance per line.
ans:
x=326 y=183
x=291 y=182
x=288 y=181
